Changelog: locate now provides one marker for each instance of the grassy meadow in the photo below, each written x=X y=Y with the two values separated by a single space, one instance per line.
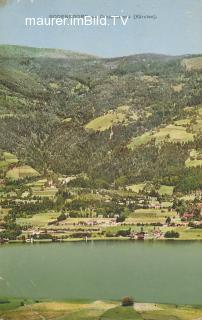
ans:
x=170 y=133
x=22 y=309
x=21 y=172
x=120 y=115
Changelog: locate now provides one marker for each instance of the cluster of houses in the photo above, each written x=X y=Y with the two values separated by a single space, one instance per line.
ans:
x=142 y=235
x=91 y=223
x=190 y=215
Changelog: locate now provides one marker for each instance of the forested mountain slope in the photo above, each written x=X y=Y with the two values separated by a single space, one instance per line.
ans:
x=119 y=121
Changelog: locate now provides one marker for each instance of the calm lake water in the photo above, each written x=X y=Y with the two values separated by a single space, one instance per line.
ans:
x=149 y=271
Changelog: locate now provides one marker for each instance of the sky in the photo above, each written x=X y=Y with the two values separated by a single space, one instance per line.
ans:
x=176 y=29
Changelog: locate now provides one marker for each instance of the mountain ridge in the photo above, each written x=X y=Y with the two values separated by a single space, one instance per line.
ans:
x=21 y=50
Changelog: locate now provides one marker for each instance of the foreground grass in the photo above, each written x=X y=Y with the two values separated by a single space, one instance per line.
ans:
x=12 y=304
x=16 y=309
x=119 y=313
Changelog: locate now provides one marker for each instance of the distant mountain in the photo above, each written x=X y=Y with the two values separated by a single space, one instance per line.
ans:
x=13 y=51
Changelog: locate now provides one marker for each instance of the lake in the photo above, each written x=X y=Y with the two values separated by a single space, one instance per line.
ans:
x=164 y=271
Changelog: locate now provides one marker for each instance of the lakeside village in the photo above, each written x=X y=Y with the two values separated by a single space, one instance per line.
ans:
x=38 y=209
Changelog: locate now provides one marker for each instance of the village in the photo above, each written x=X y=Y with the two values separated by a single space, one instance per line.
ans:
x=131 y=216
x=60 y=208
x=153 y=223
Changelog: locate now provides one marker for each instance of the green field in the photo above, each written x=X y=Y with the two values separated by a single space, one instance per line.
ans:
x=187 y=233
x=7 y=158
x=120 y=313
x=182 y=122
x=10 y=158
x=192 y=63
x=163 y=190
x=40 y=189
x=150 y=215
x=44 y=192
x=194 y=160
x=21 y=172
x=166 y=190
x=140 y=140
x=105 y=122
x=22 y=309
x=136 y=187
x=173 y=134
x=12 y=304
x=170 y=133
x=39 y=220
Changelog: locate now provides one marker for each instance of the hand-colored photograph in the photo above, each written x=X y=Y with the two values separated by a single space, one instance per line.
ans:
x=100 y=160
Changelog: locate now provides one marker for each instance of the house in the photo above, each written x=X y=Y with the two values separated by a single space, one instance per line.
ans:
x=187 y=216
x=157 y=234
x=49 y=183
x=138 y=235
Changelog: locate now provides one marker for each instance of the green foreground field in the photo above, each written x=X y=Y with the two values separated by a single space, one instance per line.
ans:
x=16 y=309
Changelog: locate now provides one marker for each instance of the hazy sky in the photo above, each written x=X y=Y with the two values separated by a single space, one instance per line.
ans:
x=177 y=29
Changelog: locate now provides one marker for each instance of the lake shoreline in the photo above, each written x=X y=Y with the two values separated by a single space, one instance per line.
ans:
x=115 y=239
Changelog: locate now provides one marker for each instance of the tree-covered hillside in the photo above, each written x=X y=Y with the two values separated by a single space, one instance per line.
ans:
x=119 y=121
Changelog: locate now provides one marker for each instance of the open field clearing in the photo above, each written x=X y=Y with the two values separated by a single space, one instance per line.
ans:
x=120 y=115
x=136 y=187
x=197 y=127
x=40 y=189
x=48 y=192
x=10 y=158
x=192 y=63
x=150 y=79
x=7 y=159
x=182 y=122
x=194 y=160
x=55 y=310
x=173 y=134
x=120 y=313
x=163 y=190
x=21 y=172
x=150 y=215
x=38 y=183
x=39 y=220
x=166 y=190
x=187 y=233
x=177 y=87
x=170 y=133
x=3 y=164
x=140 y=140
